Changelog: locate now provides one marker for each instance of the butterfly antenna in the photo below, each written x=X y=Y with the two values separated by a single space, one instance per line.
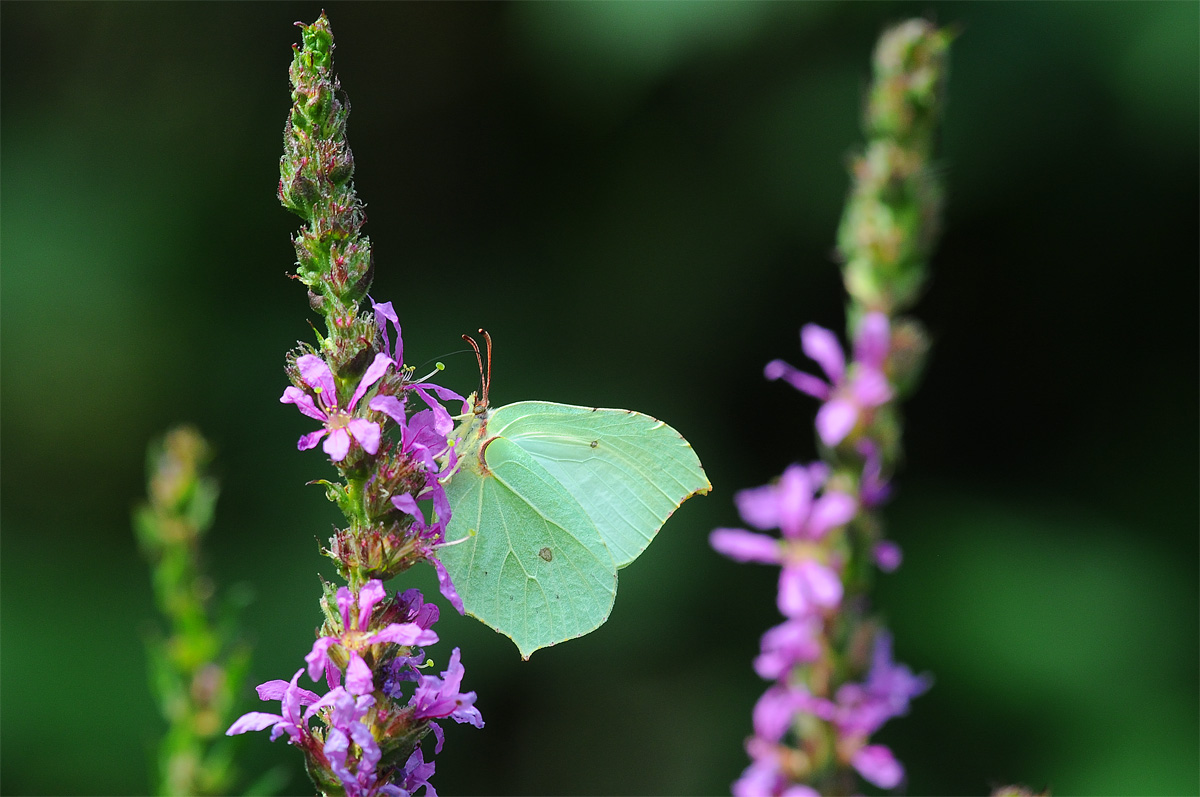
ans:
x=481 y=403
x=487 y=387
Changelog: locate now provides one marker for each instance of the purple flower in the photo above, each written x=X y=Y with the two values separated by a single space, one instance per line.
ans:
x=413 y=609
x=873 y=489
x=887 y=555
x=788 y=644
x=806 y=583
x=346 y=725
x=354 y=636
x=863 y=708
x=385 y=314
x=767 y=774
x=846 y=395
x=340 y=424
x=877 y=765
x=436 y=698
x=292 y=698
x=416 y=775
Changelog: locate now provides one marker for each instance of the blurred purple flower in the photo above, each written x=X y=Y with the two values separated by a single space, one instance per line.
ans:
x=806 y=583
x=847 y=394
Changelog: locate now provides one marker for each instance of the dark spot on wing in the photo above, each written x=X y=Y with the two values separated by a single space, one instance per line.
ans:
x=594 y=443
x=546 y=554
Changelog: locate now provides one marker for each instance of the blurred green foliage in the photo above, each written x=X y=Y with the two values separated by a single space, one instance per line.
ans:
x=639 y=202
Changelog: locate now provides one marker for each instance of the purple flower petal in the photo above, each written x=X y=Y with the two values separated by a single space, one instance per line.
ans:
x=384 y=313
x=870 y=388
x=835 y=419
x=276 y=690
x=823 y=348
x=793 y=599
x=877 y=765
x=746 y=546
x=407 y=634
x=316 y=374
x=800 y=790
x=359 y=679
x=831 y=510
x=318 y=657
x=446 y=585
x=444 y=393
x=873 y=339
x=887 y=555
x=345 y=602
x=253 y=721
x=375 y=372
x=759 y=506
x=794 y=494
x=442 y=424
x=774 y=711
x=417 y=772
x=371 y=593
x=303 y=402
x=786 y=645
x=310 y=440
x=805 y=383
x=366 y=432
x=391 y=407
x=439 y=736
x=805 y=586
x=337 y=446
x=272 y=690
x=823 y=584
x=408 y=505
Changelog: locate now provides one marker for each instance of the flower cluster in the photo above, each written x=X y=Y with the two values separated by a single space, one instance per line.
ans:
x=392 y=456
x=814 y=543
x=370 y=743
x=835 y=681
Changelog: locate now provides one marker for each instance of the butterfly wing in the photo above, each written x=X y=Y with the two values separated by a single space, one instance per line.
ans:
x=536 y=569
x=629 y=472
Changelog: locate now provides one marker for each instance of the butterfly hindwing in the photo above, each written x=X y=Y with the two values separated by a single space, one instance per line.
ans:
x=535 y=570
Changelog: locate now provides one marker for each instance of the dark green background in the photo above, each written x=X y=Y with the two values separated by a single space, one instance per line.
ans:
x=638 y=201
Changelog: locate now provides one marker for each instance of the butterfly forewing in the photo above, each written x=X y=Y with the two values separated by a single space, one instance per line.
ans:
x=628 y=471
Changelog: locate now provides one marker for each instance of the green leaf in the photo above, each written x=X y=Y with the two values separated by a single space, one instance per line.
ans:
x=551 y=500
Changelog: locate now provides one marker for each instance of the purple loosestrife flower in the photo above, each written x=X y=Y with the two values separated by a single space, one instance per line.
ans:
x=436 y=698
x=769 y=772
x=292 y=698
x=413 y=609
x=425 y=437
x=355 y=637
x=385 y=314
x=417 y=772
x=848 y=393
x=340 y=424
x=808 y=582
x=788 y=644
x=861 y=709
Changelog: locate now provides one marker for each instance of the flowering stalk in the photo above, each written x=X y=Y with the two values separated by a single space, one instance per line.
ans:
x=196 y=671
x=390 y=453
x=835 y=682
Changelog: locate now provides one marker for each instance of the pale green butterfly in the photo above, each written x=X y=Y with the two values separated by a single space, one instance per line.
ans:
x=548 y=502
